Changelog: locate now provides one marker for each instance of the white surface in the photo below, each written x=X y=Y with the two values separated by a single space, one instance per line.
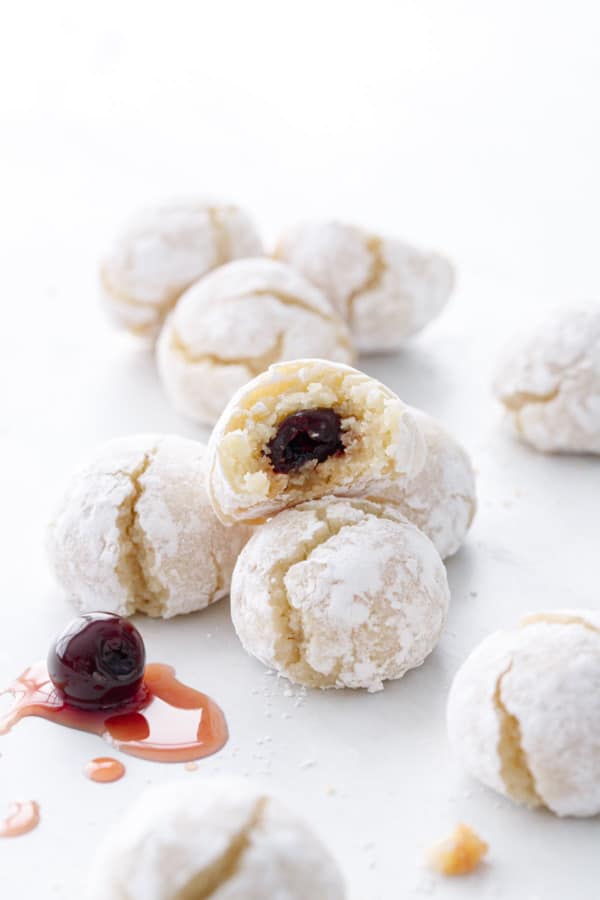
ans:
x=472 y=126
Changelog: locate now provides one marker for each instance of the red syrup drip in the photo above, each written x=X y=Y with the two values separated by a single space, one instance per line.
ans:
x=105 y=769
x=23 y=816
x=168 y=721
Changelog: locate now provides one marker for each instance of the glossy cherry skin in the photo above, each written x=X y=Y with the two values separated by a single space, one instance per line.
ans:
x=305 y=435
x=97 y=662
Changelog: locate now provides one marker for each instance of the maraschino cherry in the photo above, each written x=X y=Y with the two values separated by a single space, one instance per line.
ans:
x=96 y=680
x=303 y=436
x=97 y=662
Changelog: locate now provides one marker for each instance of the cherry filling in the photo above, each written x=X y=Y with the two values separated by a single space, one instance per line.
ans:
x=97 y=662
x=303 y=436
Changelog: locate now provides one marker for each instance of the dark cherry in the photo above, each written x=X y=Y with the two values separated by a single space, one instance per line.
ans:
x=98 y=661
x=305 y=435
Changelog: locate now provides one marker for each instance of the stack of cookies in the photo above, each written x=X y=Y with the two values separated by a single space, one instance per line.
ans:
x=323 y=501
x=195 y=278
x=338 y=587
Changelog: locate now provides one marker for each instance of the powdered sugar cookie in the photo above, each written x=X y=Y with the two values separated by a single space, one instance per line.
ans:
x=550 y=383
x=524 y=712
x=235 y=322
x=339 y=593
x=386 y=289
x=165 y=249
x=441 y=499
x=304 y=429
x=222 y=838
x=135 y=531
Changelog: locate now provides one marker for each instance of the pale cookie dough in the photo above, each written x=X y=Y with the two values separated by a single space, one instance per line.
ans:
x=339 y=593
x=385 y=289
x=524 y=712
x=220 y=838
x=237 y=321
x=261 y=461
x=135 y=531
x=162 y=251
x=550 y=383
x=441 y=500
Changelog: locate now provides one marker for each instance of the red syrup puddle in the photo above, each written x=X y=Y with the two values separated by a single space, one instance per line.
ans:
x=22 y=817
x=104 y=769
x=168 y=721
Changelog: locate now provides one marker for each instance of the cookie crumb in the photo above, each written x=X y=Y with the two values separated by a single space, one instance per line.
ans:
x=458 y=854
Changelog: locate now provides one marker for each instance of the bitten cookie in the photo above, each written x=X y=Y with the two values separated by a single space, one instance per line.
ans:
x=524 y=712
x=135 y=531
x=384 y=288
x=237 y=321
x=162 y=251
x=220 y=838
x=550 y=383
x=339 y=593
x=441 y=500
x=304 y=429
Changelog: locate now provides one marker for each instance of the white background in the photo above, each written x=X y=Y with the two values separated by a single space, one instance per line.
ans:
x=469 y=126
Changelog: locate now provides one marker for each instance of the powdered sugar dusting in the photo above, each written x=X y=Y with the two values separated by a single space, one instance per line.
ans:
x=360 y=593
x=550 y=383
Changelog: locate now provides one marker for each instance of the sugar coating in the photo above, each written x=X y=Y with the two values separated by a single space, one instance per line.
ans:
x=383 y=442
x=524 y=712
x=162 y=251
x=386 y=289
x=339 y=593
x=234 y=323
x=441 y=500
x=550 y=383
x=135 y=531
x=224 y=839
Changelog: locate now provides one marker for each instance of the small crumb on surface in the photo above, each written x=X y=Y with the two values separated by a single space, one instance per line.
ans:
x=191 y=767
x=458 y=854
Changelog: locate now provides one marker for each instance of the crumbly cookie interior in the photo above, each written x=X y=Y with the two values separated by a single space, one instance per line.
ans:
x=458 y=854
x=136 y=566
x=369 y=416
x=514 y=768
x=516 y=774
x=226 y=866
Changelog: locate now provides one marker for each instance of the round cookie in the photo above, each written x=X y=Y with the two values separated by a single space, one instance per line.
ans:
x=233 y=324
x=304 y=429
x=550 y=383
x=384 y=288
x=162 y=251
x=441 y=500
x=339 y=593
x=221 y=838
x=135 y=531
x=524 y=712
